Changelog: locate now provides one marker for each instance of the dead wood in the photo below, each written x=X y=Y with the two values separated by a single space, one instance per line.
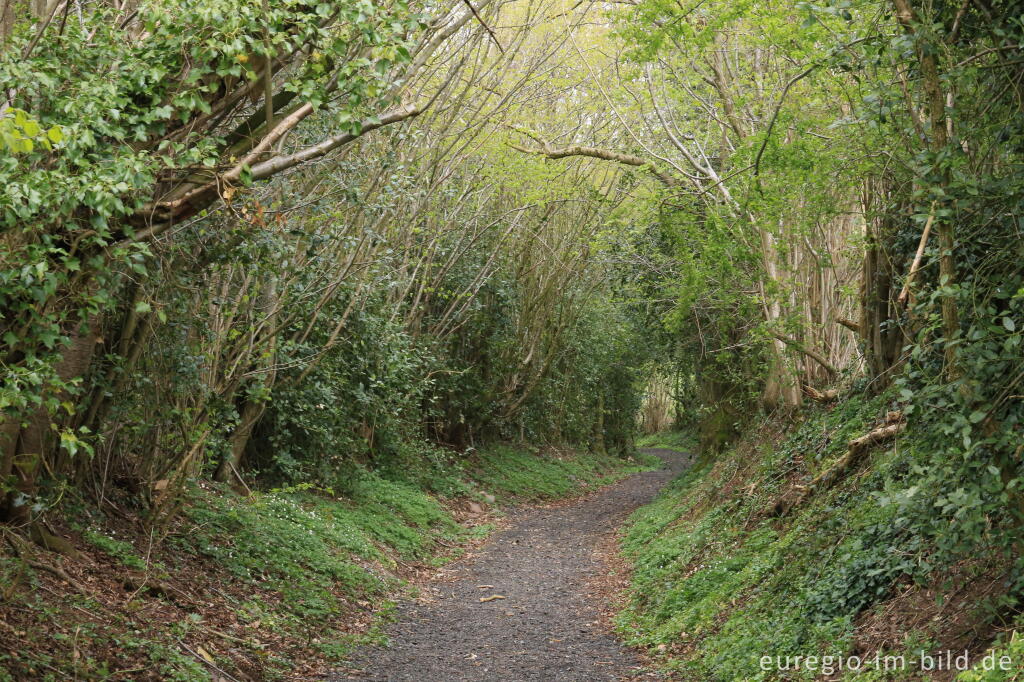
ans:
x=856 y=450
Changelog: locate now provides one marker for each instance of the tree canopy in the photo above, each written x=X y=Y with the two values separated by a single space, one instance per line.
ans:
x=282 y=242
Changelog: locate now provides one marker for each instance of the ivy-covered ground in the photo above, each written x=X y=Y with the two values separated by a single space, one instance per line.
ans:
x=719 y=582
x=274 y=585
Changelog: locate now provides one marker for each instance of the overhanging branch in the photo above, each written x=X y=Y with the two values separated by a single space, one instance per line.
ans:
x=546 y=149
x=279 y=163
x=159 y=215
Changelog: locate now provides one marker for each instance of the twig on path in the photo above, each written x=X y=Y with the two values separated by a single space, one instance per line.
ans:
x=491 y=598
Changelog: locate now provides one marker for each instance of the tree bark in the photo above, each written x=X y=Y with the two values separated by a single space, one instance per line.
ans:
x=24 y=453
x=935 y=100
x=879 y=328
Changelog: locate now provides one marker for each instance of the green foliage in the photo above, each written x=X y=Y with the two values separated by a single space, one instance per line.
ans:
x=19 y=133
x=152 y=334
x=711 y=574
x=865 y=568
x=672 y=440
x=966 y=483
x=123 y=100
x=1007 y=661
x=119 y=549
x=361 y=403
x=508 y=472
x=951 y=493
x=292 y=544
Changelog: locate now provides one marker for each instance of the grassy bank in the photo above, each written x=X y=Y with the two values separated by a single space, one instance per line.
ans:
x=279 y=584
x=683 y=441
x=722 y=579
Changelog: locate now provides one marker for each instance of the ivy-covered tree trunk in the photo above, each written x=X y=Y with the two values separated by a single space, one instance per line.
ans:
x=945 y=228
x=230 y=468
x=253 y=406
x=35 y=440
x=881 y=332
x=782 y=385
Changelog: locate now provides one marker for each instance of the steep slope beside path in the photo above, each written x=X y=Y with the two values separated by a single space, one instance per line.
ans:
x=546 y=628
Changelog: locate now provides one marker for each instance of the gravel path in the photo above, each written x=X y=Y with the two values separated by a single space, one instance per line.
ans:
x=546 y=628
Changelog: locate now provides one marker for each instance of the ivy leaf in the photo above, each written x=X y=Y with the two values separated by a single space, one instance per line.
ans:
x=49 y=338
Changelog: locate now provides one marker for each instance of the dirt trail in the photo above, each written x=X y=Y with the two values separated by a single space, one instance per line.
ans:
x=546 y=628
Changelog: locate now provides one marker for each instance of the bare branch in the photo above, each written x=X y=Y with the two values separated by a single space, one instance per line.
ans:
x=593 y=152
x=484 y=24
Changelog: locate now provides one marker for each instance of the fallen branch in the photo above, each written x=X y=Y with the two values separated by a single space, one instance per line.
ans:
x=849 y=324
x=902 y=298
x=856 y=449
x=253 y=644
x=207 y=661
x=60 y=573
x=821 y=396
x=809 y=352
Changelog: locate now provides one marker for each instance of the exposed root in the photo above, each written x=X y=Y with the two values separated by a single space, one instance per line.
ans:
x=23 y=550
x=42 y=536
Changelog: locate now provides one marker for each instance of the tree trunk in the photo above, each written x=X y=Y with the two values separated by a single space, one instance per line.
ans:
x=935 y=100
x=231 y=466
x=599 y=446
x=229 y=470
x=13 y=11
x=28 y=444
x=881 y=333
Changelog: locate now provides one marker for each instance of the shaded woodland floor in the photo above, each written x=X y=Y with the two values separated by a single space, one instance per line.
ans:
x=546 y=627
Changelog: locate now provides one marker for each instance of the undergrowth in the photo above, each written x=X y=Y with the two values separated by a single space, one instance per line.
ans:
x=672 y=440
x=278 y=584
x=510 y=473
x=718 y=583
